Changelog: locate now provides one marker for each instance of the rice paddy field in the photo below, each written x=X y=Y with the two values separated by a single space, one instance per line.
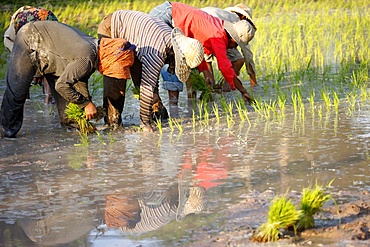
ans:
x=208 y=177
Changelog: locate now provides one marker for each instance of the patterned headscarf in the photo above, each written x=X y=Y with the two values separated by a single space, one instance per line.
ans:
x=22 y=16
x=31 y=14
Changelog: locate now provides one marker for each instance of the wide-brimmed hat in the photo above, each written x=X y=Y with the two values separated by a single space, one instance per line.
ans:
x=188 y=54
x=242 y=31
x=241 y=9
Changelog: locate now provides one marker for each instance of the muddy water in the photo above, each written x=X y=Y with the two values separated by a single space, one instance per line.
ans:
x=129 y=188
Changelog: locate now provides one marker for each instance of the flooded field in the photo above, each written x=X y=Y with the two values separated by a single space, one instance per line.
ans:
x=175 y=188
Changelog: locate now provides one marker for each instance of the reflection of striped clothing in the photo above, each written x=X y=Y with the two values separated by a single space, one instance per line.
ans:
x=152 y=37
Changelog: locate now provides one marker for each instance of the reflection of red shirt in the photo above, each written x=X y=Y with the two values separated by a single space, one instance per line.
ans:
x=207 y=173
x=209 y=30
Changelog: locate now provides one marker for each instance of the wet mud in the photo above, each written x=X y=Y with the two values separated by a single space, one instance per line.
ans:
x=345 y=224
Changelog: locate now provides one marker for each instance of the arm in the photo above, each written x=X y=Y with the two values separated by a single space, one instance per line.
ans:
x=249 y=64
x=71 y=87
x=206 y=69
x=224 y=64
x=151 y=68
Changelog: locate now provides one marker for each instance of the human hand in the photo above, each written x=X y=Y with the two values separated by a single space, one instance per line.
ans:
x=210 y=81
x=247 y=98
x=90 y=111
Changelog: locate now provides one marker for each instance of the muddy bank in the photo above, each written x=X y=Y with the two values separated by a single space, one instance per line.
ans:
x=344 y=224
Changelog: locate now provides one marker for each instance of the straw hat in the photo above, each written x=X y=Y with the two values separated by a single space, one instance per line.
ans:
x=242 y=31
x=188 y=53
x=241 y=9
x=158 y=208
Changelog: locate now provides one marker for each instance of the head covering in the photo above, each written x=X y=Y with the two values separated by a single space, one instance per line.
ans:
x=116 y=56
x=188 y=54
x=242 y=31
x=241 y=9
x=244 y=10
x=23 y=16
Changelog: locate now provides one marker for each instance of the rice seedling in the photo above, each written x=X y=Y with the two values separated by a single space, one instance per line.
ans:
x=84 y=140
x=325 y=96
x=313 y=199
x=216 y=112
x=198 y=83
x=200 y=110
x=171 y=124
x=193 y=120
x=230 y=107
x=258 y=107
x=224 y=104
x=158 y=124
x=282 y=214
x=240 y=111
x=311 y=100
x=336 y=102
x=100 y=138
x=111 y=138
x=178 y=125
x=351 y=100
x=230 y=121
x=364 y=94
x=206 y=114
x=76 y=114
x=294 y=102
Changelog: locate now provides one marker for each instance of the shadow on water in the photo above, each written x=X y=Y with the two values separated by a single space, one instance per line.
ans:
x=134 y=188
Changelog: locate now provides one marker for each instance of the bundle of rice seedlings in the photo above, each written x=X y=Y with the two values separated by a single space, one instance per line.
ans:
x=282 y=214
x=198 y=83
x=313 y=199
x=76 y=114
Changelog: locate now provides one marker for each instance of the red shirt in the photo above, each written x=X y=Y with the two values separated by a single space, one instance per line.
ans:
x=209 y=30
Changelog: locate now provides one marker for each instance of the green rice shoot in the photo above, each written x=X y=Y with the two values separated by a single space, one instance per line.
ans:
x=76 y=114
x=313 y=199
x=282 y=214
x=198 y=83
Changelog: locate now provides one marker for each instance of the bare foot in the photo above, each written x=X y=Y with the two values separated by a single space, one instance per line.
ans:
x=147 y=128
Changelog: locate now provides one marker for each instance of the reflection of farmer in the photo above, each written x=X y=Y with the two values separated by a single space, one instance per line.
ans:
x=153 y=209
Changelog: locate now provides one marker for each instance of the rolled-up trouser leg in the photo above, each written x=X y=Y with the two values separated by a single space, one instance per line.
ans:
x=18 y=80
x=114 y=99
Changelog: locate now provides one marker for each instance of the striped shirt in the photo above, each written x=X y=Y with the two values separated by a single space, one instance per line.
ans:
x=152 y=38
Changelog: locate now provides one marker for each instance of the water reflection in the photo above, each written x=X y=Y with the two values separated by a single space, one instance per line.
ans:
x=64 y=200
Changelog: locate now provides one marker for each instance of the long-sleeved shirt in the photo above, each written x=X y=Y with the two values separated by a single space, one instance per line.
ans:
x=65 y=52
x=232 y=17
x=152 y=38
x=209 y=30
